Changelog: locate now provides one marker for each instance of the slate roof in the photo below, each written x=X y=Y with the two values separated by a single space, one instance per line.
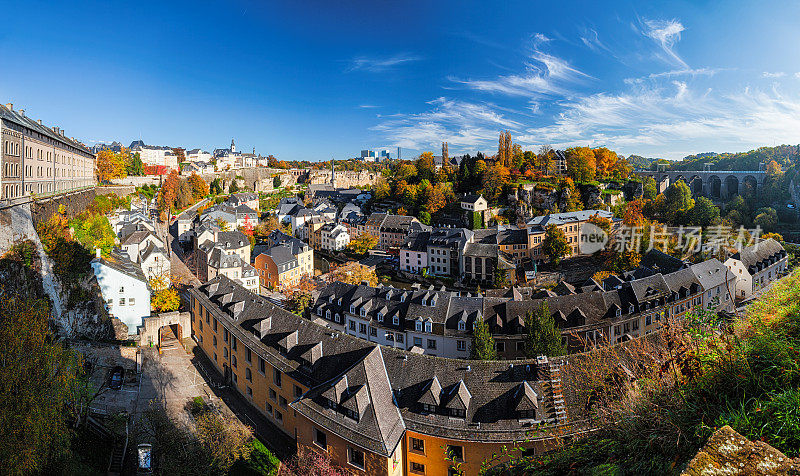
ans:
x=232 y=239
x=568 y=217
x=14 y=116
x=382 y=386
x=120 y=261
x=282 y=255
x=757 y=256
x=661 y=262
x=471 y=198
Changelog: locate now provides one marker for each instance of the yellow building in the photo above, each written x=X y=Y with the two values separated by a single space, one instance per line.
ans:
x=376 y=410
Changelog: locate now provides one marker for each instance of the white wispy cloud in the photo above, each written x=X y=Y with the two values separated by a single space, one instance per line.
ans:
x=675 y=73
x=797 y=75
x=672 y=121
x=460 y=123
x=544 y=74
x=776 y=74
x=376 y=64
x=666 y=34
x=368 y=106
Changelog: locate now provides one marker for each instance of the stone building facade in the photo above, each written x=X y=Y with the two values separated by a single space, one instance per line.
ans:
x=38 y=160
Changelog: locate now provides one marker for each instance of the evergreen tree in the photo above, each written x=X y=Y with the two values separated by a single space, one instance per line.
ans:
x=482 y=342
x=542 y=337
x=555 y=245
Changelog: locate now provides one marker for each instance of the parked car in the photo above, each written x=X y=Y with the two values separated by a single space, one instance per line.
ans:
x=144 y=453
x=117 y=378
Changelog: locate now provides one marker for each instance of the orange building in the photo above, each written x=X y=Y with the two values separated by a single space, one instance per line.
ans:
x=376 y=410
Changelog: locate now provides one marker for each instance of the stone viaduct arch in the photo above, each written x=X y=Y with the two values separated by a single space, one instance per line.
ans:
x=719 y=184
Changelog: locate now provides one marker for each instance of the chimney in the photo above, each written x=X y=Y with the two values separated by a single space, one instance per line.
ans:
x=10 y=106
x=22 y=112
x=40 y=122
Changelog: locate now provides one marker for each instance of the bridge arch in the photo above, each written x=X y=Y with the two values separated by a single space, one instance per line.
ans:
x=715 y=186
x=695 y=184
x=730 y=187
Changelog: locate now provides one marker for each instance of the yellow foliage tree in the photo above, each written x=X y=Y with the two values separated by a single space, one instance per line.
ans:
x=110 y=165
x=353 y=273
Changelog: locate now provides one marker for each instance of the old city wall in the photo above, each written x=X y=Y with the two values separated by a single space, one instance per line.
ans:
x=344 y=178
x=74 y=203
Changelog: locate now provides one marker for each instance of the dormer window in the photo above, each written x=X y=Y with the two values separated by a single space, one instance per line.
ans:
x=380 y=317
x=363 y=312
x=619 y=312
x=428 y=326
x=330 y=299
x=396 y=320
x=352 y=309
x=319 y=311
x=462 y=326
x=338 y=317
x=339 y=302
x=328 y=314
x=418 y=326
x=630 y=309
x=403 y=297
x=432 y=301
x=458 y=413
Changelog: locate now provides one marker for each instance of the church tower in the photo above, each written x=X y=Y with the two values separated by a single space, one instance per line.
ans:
x=333 y=176
x=233 y=147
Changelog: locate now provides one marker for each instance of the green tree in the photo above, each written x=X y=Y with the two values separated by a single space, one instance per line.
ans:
x=555 y=245
x=234 y=187
x=38 y=381
x=424 y=217
x=649 y=188
x=704 y=212
x=133 y=164
x=215 y=188
x=766 y=218
x=542 y=336
x=677 y=200
x=501 y=278
x=483 y=347
x=477 y=220
x=276 y=182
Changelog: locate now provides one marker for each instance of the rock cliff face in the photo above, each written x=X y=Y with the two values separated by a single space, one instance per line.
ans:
x=531 y=198
x=633 y=191
x=590 y=195
x=729 y=453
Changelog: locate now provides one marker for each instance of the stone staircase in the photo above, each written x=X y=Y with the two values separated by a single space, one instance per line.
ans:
x=551 y=382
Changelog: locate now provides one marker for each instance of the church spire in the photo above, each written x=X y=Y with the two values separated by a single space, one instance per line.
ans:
x=233 y=146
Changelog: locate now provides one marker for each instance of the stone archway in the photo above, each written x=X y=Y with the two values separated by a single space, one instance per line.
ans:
x=730 y=187
x=695 y=184
x=714 y=187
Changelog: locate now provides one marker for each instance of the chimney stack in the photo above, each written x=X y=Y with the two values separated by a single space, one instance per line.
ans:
x=10 y=106
x=22 y=112
x=40 y=122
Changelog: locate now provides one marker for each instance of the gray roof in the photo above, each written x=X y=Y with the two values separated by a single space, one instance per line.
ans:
x=759 y=254
x=382 y=386
x=16 y=117
x=568 y=217
x=120 y=261
x=711 y=273
x=232 y=239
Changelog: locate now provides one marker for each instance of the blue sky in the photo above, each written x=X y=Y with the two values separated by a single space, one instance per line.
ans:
x=311 y=80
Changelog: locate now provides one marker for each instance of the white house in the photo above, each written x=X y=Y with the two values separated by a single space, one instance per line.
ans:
x=137 y=241
x=756 y=266
x=154 y=262
x=334 y=237
x=124 y=288
x=474 y=203
x=414 y=254
x=198 y=155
